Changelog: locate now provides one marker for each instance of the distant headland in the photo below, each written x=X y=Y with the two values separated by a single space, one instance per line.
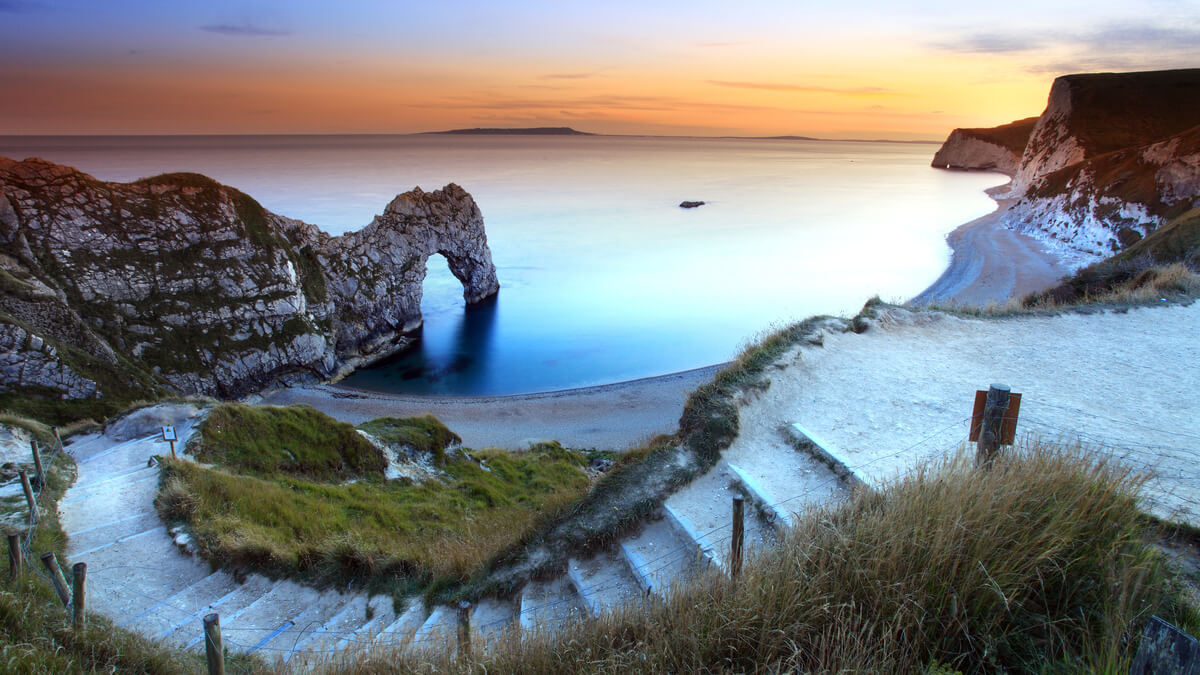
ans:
x=527 y=131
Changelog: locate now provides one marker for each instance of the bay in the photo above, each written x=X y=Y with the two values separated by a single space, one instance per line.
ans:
x=603 y=277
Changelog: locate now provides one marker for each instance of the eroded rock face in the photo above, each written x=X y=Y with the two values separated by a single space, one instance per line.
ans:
x=28 y=362
x=1113 y=157
x=213 y=293
x=998 y=149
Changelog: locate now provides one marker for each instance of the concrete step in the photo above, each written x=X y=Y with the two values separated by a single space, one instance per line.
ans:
x=344 y=623
x=128 y=576
x=778 y=516
x=658 y=557
x=277 y=621
x=602 y=582
x=361 y=639
x=548 y=605
x=401 y=631
x=439 y=631
x=493 y=620
x=684 y=528
x=94 y=537
x=189 y=631
x=189 y=604
x=232 y=606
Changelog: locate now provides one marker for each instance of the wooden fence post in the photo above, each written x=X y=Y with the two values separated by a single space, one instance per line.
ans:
x=57 y=578
x=993 y=417
x=37 y=465
x=736 y=545
x=29 y=498
x=213 y=650
x=78 y=596
x=57 y=437
x=464 y=629
x=15 y=558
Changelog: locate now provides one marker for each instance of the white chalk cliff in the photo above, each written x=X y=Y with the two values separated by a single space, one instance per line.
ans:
x=178 y=282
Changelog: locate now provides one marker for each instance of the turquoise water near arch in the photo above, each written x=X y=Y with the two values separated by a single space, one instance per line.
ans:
x=603 y=277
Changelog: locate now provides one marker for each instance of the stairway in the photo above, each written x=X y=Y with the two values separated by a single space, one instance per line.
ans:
x=144 y=582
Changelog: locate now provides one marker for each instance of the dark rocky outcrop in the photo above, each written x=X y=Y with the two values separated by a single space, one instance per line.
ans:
x=1113 y=157
x=180 y=281
x=690 y=205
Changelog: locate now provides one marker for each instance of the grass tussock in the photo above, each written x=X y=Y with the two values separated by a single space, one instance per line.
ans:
x=36 y=637
x=443 y=530
x=424 y=434
x=1041 y=564
x=296 y=441
x=1117 y=282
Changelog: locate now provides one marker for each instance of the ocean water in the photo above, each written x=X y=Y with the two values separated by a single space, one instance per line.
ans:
x=603 y=277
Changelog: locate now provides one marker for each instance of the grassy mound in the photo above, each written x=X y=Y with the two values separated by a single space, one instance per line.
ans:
x=442 y=530
x=1043 y=563
x=424 y=434
x=296 y=441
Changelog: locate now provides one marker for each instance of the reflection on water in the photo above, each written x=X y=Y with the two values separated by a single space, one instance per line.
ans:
x=603 y=277
x=441 y=365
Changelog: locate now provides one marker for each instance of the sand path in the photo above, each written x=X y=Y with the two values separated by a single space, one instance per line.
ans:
x=901 y=393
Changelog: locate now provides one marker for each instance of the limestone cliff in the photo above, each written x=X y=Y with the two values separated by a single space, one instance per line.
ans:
x=199 y=288
x=1113 y=156
x=993 y=149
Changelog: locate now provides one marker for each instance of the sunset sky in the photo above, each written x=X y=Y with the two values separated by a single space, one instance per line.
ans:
x=829 y=69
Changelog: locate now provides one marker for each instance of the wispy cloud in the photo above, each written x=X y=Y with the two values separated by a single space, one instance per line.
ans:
x=243 y=30
x=718 y=45
x=1104 y=47
x=567 y=76
x=805 y=89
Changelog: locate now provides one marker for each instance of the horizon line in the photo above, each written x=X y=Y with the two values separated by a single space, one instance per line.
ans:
x=773 y=137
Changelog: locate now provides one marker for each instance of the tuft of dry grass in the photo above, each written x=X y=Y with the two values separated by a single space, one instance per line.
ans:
x=1120 y=283
x=1041 y=563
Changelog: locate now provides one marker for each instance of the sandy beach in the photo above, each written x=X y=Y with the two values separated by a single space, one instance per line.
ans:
x=992 y=263
x=989 y=263
x=607 y=417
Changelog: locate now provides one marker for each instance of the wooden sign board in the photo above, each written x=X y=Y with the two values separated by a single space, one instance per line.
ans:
x=1165 y=649
x=168 y=433
x=1008 y=428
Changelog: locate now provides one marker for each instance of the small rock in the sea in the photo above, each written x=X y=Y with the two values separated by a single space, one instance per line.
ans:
x=690 y=205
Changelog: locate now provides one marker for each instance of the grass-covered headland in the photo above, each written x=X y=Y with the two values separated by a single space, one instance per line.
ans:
x=1043 y=564
x=295 y=493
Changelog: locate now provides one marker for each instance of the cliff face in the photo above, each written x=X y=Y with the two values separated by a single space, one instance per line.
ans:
x=197 y=286
x=996 y=149
x=1113 y=157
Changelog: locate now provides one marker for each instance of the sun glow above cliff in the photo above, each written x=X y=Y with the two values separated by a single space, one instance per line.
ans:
x=860 y=71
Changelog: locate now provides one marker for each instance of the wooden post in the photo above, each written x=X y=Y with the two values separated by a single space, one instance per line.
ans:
x=14 y=556
x=736 y=545
x=37 y=464
x=57 y=437
x=212 y=644
x=989 y=433
x=172 y=449
x=56 y=577
x=78 y=596
x=464 y=629
x=29 y=498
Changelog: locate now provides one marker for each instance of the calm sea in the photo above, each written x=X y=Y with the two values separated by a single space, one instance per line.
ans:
x=604 y=278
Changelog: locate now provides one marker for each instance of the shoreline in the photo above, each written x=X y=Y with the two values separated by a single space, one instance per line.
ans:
x=989 y=263
x=612 y=416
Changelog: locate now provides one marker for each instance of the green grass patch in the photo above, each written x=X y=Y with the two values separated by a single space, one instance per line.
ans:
x=424 y=434
x=296 y=441
x=443 y=530
x=1043 y=564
